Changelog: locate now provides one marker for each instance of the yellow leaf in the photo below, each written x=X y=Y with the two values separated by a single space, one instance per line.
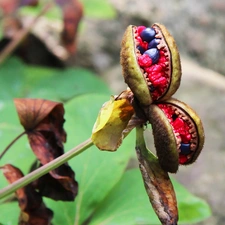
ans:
x=113 y=118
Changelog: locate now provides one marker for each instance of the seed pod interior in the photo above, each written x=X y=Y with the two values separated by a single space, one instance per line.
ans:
x=187 y=129
x=191 y=132
x=149 y=57
x=158 y=58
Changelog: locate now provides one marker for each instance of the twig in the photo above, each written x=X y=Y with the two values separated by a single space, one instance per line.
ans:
x=21 y=34
x=45 y=169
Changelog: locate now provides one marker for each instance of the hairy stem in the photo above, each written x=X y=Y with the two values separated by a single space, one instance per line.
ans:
x=10 y=144
x=45 y=169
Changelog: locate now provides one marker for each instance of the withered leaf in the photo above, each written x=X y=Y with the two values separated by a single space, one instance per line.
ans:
x=50 y=186
x=9 y=7
x=32 y=111
x=111 y=124
x=157 y=183
x=72 y=14
x=43 y=122
x=33 y=210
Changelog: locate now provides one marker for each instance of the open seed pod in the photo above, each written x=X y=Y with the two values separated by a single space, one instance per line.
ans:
x=178 y=133
x=151 y=63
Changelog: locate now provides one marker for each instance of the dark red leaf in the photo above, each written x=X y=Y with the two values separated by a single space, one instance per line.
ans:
x=43 y=121
x=33 y=210
x=72 y=14
x=57 y=189
x=32 y=111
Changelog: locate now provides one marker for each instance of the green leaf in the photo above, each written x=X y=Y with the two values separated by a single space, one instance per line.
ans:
x=19 y=80
x=9 y=210
x=128 y=204
x=66 y=84
x=191 y=208
x=98 y=9
x=97 y=172
x=12 y=78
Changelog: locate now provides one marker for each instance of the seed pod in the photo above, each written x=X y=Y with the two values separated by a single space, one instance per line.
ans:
x=151 y=63
x=178 y=133
x=157 y=183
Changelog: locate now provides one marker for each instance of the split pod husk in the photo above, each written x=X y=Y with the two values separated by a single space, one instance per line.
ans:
x=178 y=133
x=150 y=62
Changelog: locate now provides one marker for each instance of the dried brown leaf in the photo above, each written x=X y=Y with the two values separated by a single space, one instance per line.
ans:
x=33 y=210
x=72 y=14
x=32 y=111
x=43 y=121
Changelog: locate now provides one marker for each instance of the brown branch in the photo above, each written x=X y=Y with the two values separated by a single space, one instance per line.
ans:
x=21 y=35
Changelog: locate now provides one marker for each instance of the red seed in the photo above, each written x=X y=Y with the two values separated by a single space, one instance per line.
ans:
x=144 y=61
x=160 y=82
x=140 y=29
x=182 y=159
x=154 y=68
x=178 y=123
x=153 y=76
x=185 y=137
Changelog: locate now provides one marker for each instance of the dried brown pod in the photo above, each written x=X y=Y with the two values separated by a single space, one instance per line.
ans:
x=157 y=183
x=178 y=133
x=150 y=62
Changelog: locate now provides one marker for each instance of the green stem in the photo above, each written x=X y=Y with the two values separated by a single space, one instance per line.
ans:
x=45 y=169
x=140 y=141
x=141 y=145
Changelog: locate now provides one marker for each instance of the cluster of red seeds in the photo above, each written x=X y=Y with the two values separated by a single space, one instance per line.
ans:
x=181 y=129
x=155 y=72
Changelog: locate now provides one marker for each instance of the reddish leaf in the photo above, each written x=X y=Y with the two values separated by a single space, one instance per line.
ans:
x=9 y=7
x=50 y=187
x=33 y=210
x=32 y=111
x=43 y=121
x=72 y=14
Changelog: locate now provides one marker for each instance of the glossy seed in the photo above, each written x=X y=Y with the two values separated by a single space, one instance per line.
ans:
x=147 y=34
x=153 y=43
x=185 y=149
x=141 y=49
x=153 y=53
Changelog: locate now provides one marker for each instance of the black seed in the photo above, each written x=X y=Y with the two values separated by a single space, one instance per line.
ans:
x=185 y=149
x=174 y=116
x=141 y=49
x=147 y=34
x=153 y=43
x=153 y=53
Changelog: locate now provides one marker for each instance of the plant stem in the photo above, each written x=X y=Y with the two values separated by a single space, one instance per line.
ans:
x=10 y=144
x=140 y=141
x=45 y=169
